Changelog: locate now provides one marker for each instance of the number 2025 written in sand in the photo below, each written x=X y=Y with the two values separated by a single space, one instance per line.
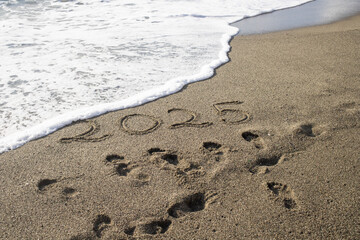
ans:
x=228 y=112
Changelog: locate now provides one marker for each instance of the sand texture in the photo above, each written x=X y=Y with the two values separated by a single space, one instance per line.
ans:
x=266 y=149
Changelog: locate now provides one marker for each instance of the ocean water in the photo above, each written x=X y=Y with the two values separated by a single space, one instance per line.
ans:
x=67 y=60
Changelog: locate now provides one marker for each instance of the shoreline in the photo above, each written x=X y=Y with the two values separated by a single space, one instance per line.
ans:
x=313 y=13
x=266 y=148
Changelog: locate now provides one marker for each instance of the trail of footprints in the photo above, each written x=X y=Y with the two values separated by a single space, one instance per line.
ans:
x=183 y=206
x=183 y=170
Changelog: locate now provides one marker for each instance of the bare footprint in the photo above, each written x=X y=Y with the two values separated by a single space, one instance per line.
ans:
x=309 y=131
x=163 y=158
x=211 y=146
x=133 y=172
x=57 y=186
x=261 y=162
x=84 y=236
x=214 y=149
x=140 y=175
x=253 y=138
x=190 y=167
x=46 y=183
x=170 y=158
x=101 y=223
x=121 y=167
x=188 y=172
x=282 y=193
x=191 y=203
x=216 y=159
x=149 y=227
x=304 y=130
x=185 y=171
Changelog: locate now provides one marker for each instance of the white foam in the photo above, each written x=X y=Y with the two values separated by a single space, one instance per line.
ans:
x=65 y=61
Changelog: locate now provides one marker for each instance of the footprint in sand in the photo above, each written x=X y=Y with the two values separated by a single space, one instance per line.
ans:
x=308 y=131
x=216 y=158
x=254 y=139
x=304 y=130
x=170 y=158
x=100 y=224
x=184 y=170
x=213 y=149
x=211 y=146
x=50 y=186
x=45 y=184
x=261 y=164
x=191 y=203
x=121 y=167
x=163 y=158
x=85 y=236
x=282 y=193
x=189 y=172
x=124 y=168
x=150 y=226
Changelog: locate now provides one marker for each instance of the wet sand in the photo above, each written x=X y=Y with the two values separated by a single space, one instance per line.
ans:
x=266 y=149
x=312 y=13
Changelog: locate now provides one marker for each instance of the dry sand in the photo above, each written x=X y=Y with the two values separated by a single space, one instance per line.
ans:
x=266 y=149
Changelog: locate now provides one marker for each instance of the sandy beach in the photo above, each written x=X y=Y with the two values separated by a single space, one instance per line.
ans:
x=268 y=148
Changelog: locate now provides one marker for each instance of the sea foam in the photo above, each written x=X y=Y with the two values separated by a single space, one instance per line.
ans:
x=63 y=61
